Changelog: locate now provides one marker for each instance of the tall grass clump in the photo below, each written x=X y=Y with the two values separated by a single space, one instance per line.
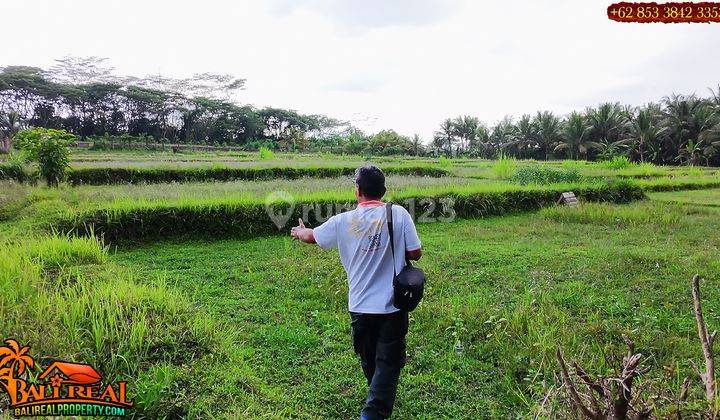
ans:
x=617 y=162
x=13 y=197
x=504 y=167
x=445 y=162
x=609 y=214
x=539 y=174
x=265 y=154
x=61 y=297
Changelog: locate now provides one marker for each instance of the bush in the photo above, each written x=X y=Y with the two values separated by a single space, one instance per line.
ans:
x=101 y=176
x=540 y=174
x=14 y=169
x=47 y=147
x=250 y=219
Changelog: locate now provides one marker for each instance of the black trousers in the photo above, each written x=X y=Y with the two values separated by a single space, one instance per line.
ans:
x=379 y=340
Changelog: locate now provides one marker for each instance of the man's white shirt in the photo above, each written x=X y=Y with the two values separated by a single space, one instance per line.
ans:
x=361 y=237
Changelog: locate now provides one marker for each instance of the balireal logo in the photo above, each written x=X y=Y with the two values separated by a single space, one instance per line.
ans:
x=62 y=389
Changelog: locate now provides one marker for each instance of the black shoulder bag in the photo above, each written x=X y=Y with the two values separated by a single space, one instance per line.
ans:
x=409 y=283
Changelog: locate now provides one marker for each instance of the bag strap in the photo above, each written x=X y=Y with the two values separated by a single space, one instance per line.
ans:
x=388 y=209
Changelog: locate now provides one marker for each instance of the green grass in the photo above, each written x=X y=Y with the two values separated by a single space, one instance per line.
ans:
x=504 y=168
x=702 y=197
x=510 y=289
x=245 y=327
x=102 y=176
x=249 y=217
x=65 y=299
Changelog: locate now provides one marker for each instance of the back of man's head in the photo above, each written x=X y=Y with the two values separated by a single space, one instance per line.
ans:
x=370 y=180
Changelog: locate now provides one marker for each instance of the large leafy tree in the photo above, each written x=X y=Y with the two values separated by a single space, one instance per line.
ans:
x=85 y=97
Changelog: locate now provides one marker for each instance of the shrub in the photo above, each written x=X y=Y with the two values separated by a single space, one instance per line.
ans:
x=47 y=147
x=504 y=167
x=266 y=153
x=540 y=174
x=14 y=169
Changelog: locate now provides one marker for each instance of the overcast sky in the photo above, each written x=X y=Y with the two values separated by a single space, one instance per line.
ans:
x=401 y=64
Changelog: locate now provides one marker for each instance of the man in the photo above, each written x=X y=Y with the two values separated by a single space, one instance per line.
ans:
x=378 y=328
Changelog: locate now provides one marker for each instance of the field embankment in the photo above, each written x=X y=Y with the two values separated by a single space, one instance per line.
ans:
x=250 y=218
x=154 y=175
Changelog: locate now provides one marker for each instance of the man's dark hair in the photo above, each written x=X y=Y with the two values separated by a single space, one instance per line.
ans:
x=371 y=181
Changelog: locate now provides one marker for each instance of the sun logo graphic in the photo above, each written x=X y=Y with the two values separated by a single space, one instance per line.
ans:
x=61 y=389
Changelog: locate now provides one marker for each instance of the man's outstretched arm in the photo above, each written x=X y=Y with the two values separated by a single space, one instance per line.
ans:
x=302 y=233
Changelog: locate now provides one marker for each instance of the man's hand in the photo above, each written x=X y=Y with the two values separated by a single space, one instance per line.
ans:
x=302 y=233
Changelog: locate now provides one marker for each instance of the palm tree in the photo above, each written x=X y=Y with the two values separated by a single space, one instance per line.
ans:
x=480 y=144
x=645 y=130
x=417 y=144
x=683 y=125
x=10 y=125
x=608 y=122
x=548 y=132
x=503 y=134
x=445 y=137
x=524 y=138
x=575 y=139
x=465 y=129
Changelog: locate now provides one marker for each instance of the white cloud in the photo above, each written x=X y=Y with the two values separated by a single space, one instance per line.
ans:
x=384 y=64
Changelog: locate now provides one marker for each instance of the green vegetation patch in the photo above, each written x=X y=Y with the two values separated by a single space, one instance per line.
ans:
x=99 y=176
x=509 y=290
x=64 y=298
x=709 y=198
x=541 y=174
x=248 y=218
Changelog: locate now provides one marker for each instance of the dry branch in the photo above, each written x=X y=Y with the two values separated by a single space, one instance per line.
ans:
x=706 y=341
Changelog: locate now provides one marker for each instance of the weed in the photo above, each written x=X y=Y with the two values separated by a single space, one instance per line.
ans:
x=265 y=154
x=504 y=167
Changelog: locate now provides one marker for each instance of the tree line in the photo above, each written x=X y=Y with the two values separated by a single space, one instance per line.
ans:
x=679 y=129
x=84 y=97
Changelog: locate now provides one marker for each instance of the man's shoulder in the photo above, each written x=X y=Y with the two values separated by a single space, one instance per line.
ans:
x=401 y=212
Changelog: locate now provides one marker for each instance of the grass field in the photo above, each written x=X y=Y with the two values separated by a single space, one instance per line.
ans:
x=223 y=326
x=513 y=288
x=709 y=197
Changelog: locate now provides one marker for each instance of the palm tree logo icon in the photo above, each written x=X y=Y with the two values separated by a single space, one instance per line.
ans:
x=13 y=362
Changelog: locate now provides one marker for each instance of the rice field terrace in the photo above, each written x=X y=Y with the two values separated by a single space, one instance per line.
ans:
x=188 y=291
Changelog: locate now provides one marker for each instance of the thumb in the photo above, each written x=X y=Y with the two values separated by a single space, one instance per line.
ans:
x=300 y=223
